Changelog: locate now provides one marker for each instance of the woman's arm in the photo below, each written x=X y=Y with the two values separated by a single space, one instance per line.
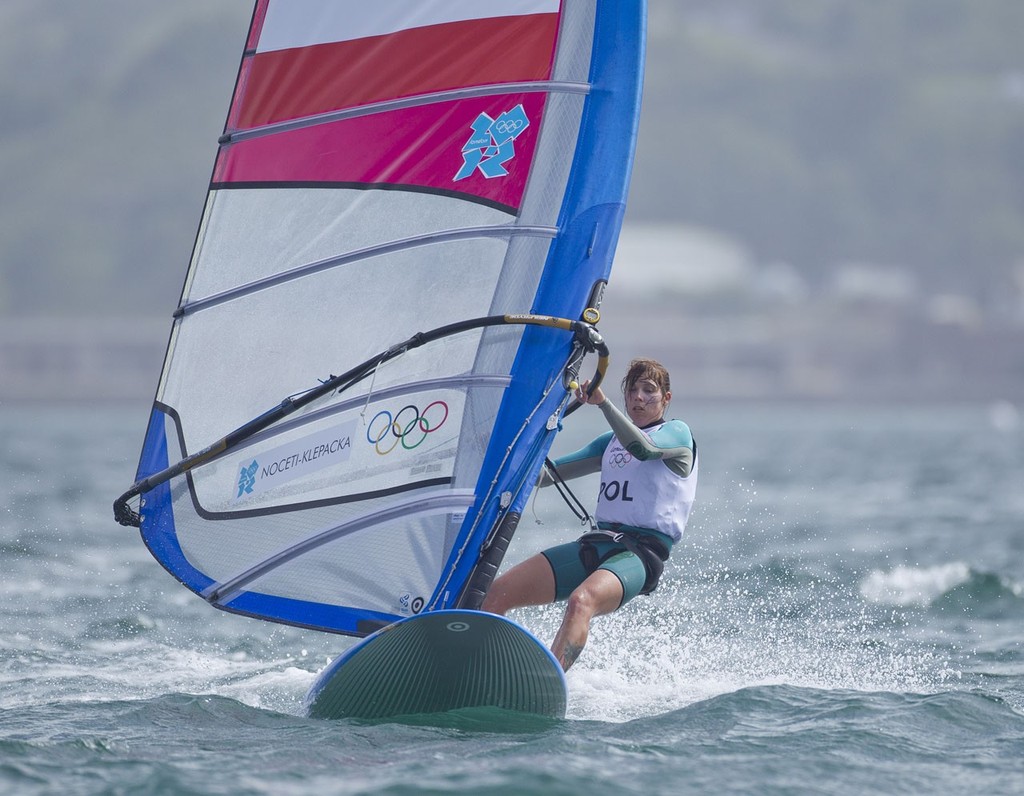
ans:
x=672 y=442
x=585 y=461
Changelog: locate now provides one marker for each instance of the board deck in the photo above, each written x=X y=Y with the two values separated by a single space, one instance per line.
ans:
x=437 y=662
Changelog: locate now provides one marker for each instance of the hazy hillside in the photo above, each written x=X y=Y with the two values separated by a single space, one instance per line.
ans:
x=111 y=113
x=826 y=131
x=813 y=132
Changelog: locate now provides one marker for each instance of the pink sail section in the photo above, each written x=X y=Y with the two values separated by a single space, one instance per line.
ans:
x=302 y=81
x=426 y=147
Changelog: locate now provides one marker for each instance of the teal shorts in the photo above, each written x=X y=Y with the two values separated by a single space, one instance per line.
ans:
x=570 y=572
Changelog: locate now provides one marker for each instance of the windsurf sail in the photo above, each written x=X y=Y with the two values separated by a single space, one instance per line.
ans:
x=413 y=205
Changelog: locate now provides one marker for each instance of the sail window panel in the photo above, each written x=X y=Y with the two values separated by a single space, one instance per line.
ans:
x=249 y=234
x=514 y=294
x=390 y=445
x=575 y=41
x=520 y=275
x=236 y=360
x=553 y=159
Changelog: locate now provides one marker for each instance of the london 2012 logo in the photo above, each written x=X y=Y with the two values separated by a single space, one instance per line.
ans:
x=247 y=478
x=492 y=143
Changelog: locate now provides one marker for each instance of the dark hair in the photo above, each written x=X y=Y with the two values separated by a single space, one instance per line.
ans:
x=646 y=369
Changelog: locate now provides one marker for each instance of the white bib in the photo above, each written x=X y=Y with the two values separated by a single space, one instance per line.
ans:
x=644 y=494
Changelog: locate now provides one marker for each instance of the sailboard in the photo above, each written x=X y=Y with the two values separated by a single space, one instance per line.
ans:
x=440 y=661
x=410 y=223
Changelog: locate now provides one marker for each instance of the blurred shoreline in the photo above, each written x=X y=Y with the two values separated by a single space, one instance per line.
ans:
x=816 y=352
x=819 y=351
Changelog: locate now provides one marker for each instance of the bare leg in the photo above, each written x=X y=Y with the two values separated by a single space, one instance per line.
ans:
x=530 y=582
x=600 y=593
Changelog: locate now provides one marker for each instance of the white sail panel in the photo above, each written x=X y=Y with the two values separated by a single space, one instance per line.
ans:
x=251 y=234
x=319 y=336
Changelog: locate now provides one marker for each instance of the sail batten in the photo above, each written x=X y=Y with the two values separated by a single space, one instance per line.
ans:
x=422 y=197
x=495 y=381
x=538 y=86
x=442 y=236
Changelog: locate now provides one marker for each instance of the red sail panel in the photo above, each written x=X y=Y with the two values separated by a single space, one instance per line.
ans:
x=440 y=147
x=303 y=81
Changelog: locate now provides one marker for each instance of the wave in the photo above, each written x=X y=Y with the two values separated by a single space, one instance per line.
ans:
x=868 y=726
x=137 y=669
x=762 y=739
x=691 y=644
x=944 y=586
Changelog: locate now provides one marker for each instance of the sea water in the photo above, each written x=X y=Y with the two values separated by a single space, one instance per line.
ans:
x=845 y=615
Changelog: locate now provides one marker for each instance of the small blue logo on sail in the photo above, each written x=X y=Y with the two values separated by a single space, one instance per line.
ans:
x=492 y=143
x=247 y=478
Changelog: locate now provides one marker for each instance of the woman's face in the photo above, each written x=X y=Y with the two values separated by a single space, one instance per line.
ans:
x=645 y=402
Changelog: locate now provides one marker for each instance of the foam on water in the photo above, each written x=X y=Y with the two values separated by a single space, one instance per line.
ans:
x=690 y=643
x=904 y=585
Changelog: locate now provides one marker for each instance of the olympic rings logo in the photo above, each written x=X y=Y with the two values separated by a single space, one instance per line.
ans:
x=508 y=126
x=409 y=426
x=620 y=459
